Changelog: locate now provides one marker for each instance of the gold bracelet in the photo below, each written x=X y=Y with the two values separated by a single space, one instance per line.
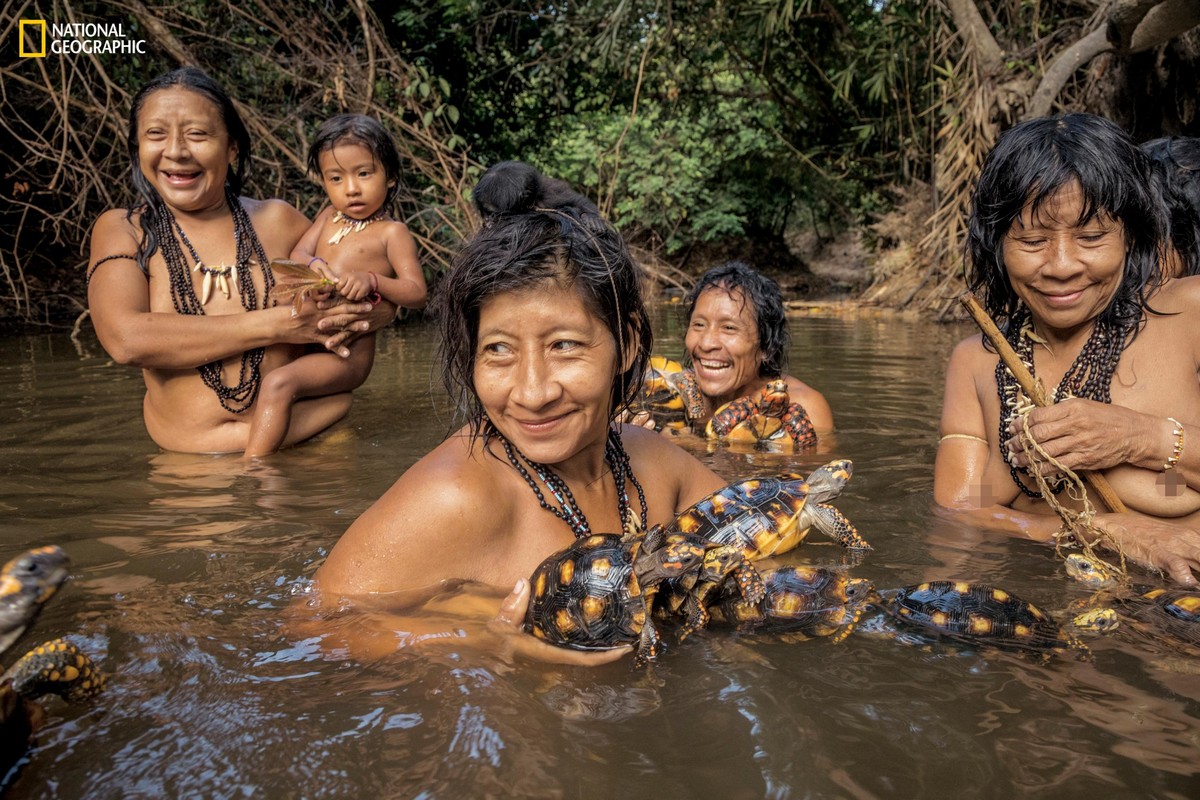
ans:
x=1173 y=459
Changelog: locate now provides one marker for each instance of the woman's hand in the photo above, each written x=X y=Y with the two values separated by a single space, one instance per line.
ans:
x=1086 y=435
x=508 y=625
x=640 y=419
x=347 y=321
x=1155 y=543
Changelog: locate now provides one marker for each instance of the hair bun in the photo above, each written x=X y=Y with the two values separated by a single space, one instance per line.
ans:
x=514 y=187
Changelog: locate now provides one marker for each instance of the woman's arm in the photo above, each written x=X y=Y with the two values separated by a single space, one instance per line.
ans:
x=119 y=301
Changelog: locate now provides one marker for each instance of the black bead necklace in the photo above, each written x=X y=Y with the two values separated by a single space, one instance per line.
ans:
x=568 y=510
x=239 y=398
x=1089 y=376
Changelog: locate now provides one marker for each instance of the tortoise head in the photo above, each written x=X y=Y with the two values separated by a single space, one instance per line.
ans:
x=27 y=582
x=773 y=400
x=1090 y=570
x=829 y=481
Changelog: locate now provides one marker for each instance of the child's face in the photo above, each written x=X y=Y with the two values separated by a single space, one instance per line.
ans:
x=1066 y=272
x=353 y=179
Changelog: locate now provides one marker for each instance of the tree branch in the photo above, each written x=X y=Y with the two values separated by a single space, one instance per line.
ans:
x=976 y=34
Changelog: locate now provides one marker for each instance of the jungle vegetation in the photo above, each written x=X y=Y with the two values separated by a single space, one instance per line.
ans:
x=702 y=128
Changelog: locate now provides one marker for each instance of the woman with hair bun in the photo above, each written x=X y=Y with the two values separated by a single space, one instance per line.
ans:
x=544 y=339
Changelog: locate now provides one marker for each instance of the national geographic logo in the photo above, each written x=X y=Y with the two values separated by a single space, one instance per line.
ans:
x=38 y=39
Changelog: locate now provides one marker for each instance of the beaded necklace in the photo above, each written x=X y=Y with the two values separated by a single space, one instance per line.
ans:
x=239 y=398
x=1089 y=376
x=568 y=510
x=351 y=225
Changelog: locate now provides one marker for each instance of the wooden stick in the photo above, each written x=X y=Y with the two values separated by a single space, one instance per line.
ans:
x=1033 y=388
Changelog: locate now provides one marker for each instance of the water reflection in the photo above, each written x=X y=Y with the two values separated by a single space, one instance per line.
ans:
x=188 y=569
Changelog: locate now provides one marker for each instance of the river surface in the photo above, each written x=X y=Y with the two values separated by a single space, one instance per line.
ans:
x=186 y=570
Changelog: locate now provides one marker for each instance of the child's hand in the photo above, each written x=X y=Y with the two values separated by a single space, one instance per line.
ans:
x=355 y=285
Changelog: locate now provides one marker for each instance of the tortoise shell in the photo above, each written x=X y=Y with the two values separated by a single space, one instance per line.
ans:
x=810 y=601
x=772 y=515
x=1177 y=611
x=670 y=394
x=976 y=611
x=587 y=596
x=767 y=417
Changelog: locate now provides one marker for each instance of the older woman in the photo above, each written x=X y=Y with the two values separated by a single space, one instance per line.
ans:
x=544 y=340
x=178 y=284
x=737 y=338
x=1064 y=242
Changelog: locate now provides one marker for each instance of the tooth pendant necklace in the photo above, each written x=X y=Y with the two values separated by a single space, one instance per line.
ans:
x=350 y=225
x=225 y=276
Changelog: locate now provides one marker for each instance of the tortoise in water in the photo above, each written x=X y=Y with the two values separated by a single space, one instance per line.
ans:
x=805 y=601
x=1173 y=610
x=599 y=592
x=769 y=516
x=669 y=394
x=768 y=417
x=977 y=612
x=27 y=583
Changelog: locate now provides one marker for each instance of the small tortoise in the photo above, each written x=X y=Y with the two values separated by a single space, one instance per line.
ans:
x=670 y=394
x=769 y=516
x=804 y=601
x=1156 y=610
x=27 y=583
x=976 y=612
x=599 y=592
x=768 y=417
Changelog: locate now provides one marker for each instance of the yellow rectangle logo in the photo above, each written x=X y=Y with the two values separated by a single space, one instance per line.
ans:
x=37 y=30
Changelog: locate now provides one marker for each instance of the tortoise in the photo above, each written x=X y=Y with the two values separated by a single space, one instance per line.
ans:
x=771 y=515
x=805 y=601
x=598 y=593
x=27 y=583
x=980 y=613
x=768 y=417
x=1173 y=610
x=670 y=394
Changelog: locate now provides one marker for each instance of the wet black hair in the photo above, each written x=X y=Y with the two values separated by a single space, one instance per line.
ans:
x=537 y=230
x=363 y=130
x=766 y=302
x=1029 y=164
x=1176 y=166
x=198 y=81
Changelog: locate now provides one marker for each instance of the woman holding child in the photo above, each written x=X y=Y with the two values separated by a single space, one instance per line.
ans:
x=178 y=285
x=1064 y=244
x=544 y=340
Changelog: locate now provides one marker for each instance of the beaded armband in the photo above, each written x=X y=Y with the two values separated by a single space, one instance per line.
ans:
x=1177 y=452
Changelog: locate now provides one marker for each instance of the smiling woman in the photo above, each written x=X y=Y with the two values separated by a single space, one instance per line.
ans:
x=1065 y=237
x=178 y=284
x=543 y=339
x=737 y=339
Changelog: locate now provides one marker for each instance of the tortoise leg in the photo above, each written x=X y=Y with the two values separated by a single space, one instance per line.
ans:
x=848 y=628
x=833 y=523
x=750 y=583
x=799 y=427
x=56 y=667
x=696 y=617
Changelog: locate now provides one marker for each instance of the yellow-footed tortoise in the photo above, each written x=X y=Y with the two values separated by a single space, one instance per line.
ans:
x=770 y=417
x=804 y=601
x=978 y=613
x=27 y=582
x=669 y=394
x=771 y=515
x=1155 y=610
x=598 y=593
